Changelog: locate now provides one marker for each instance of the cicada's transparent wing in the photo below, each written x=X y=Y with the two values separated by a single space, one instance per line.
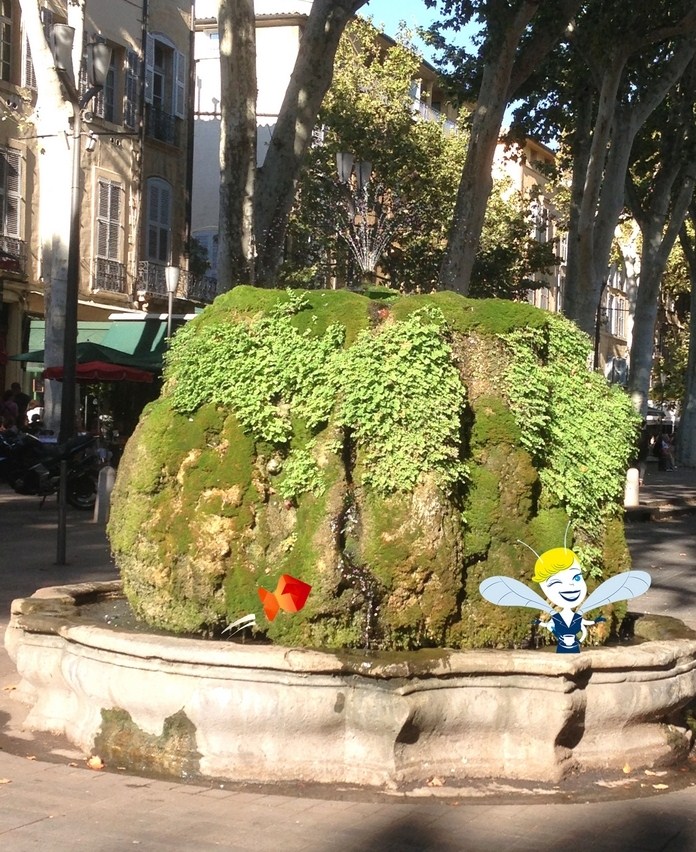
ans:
x=621 y=587
x=505 y=591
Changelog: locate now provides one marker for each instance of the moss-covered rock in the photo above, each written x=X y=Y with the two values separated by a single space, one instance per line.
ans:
x=381 y=450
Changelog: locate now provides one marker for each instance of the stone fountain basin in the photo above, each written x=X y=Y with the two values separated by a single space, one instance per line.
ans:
x=265 y=713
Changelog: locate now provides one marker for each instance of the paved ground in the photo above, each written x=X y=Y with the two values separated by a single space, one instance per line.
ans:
x=49 y=799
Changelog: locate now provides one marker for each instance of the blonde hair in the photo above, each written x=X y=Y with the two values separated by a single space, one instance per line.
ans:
x=551 y=562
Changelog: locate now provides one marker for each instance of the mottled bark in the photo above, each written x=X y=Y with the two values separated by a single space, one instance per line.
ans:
x=311 y=78
x=602 y=194
x=506 y=69
x=686 y=443
x=237 y=28
x=52 y=119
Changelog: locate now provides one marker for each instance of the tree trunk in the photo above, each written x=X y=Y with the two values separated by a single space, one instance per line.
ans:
x=507 y=67
x=476 y=181
x=52 y=124
x=311 y=78
x=615 y=129
x=660 y=226
x=237 y=28
x=686 y=443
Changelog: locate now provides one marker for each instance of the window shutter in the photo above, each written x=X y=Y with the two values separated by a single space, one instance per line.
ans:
x=149 y=67
x=108 y=219
x=130 y=110
x=180 y=85
x=11 y=223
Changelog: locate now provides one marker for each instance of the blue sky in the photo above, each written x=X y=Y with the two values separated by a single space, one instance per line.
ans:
x=390 y=12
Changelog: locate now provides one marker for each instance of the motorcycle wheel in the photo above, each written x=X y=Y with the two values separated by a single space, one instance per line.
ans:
x=82 y=491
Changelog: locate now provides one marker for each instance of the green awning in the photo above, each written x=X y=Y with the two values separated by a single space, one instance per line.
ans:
x=137 y=343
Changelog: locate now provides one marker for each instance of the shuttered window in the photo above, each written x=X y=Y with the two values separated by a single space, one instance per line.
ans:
x=10 y=192
x=5 y=39
x=131 y=90
x=109 y=219
x=159 y=213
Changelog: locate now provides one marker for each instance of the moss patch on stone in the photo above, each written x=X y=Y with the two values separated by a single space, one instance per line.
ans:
x=376 y=447
x=173 y=753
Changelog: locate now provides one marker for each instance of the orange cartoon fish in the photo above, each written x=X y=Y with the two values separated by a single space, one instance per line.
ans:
x=290 y=595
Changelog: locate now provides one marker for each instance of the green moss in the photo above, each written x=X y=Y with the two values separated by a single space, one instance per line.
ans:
x=494 y=424
x=328 y=435
x=120 y=742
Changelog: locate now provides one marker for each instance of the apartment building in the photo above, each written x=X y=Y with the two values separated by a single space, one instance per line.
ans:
x=135 y=172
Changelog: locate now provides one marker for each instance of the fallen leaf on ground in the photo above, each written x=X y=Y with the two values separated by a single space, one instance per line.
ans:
x=622 y=782
x=5 y=780
x=31 y=757
x=652 y=772
x=660 y=786
x=435 y=782
x=8 y=688
x=95 y=762
x=626 y=769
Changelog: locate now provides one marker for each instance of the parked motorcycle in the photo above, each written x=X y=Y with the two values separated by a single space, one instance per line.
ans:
x=31 y=466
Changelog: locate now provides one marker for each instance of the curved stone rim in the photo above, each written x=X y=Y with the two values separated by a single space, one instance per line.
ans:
x=273 y=714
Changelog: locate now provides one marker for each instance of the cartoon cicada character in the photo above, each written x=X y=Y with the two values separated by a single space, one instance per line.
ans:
x=559 y=574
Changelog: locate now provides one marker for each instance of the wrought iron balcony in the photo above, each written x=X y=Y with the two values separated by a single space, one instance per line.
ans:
x=13 y=255
x=195 y=288
x=161 y=125
x=109 y=275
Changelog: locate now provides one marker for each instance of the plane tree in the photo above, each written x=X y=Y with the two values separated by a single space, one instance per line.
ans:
x=659 y=189
x=595 y=94
x=514 y=38
x=255 y=206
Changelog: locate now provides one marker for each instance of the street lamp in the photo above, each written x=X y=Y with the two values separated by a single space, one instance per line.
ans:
x=171 y=279
x=97 y=61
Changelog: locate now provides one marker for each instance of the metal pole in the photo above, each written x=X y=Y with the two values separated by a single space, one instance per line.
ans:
x=170 y=311
x=67 y=405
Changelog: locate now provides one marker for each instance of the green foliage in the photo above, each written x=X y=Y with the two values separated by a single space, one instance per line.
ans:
x=578 y=428
x=402 y=398
x=508 y=256
x=396 y=389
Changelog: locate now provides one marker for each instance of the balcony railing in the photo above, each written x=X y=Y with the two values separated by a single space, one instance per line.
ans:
x=109 y=275
x=430 y=114
x=13 y=255
x=162 y=126
x=152 y=282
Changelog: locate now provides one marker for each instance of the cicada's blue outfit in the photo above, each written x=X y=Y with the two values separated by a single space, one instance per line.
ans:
x=561 y=629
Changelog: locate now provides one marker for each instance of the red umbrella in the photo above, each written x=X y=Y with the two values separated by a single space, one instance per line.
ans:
x=101 y=371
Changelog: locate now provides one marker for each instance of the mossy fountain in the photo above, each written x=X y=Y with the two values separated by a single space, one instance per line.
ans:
x=391 y=452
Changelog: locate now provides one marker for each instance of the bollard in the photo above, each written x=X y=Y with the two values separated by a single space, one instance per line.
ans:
x=632 y=491
x=105 y=485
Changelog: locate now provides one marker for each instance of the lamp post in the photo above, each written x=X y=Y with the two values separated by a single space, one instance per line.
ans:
x=171 y=279
x=599 y=320
x=97 y=61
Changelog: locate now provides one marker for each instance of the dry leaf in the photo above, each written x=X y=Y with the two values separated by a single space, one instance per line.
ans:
x=72 y=764
x=5 y=780
x=95 y=762
x=435 y=782
x=31 y=757
x=652 y=772
x=660 y=786
x=626 y=769
x=8 y=688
